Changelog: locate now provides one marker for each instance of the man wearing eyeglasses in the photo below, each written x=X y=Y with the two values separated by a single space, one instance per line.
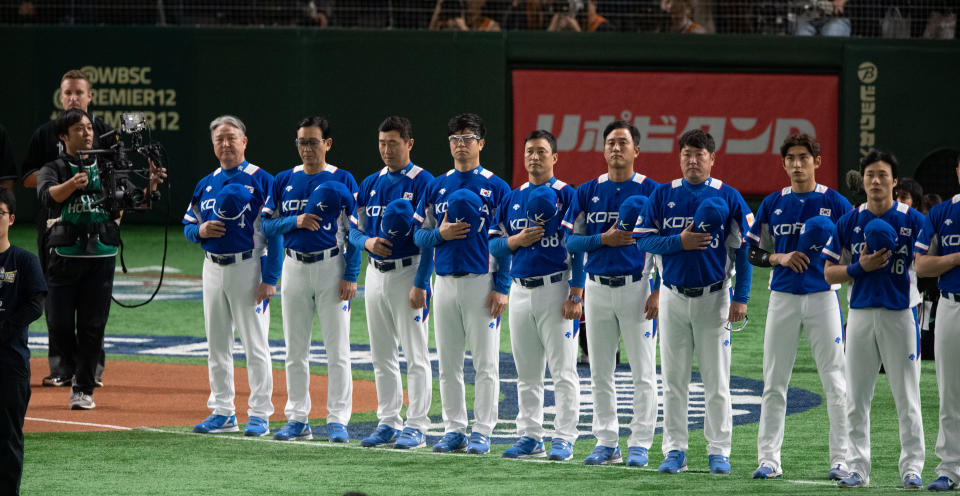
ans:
x=238 y=277
x=696 y=309
x=397 y=287
x=464 y=275
x=320 y=272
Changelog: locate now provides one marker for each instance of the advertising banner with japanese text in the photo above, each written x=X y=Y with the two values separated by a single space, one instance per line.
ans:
x=749 y=115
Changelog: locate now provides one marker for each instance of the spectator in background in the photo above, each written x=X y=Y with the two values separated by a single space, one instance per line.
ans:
x=929 y=200
x=568 y=17
x=680 y=20
x=942 y=23
x=910 y=192
x=462 y=15
x=825 y=18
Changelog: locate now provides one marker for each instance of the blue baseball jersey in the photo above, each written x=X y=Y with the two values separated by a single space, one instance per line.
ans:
x=289 y=198
x=888 y=287
x=242 y=233
x=470 y=255
x=595 y=208
x=777 y=230
x=381 y=188
x=671 y=209
x=549 y=255
x=941 y=236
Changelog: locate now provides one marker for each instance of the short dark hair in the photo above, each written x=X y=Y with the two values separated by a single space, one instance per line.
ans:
x=802 y=139
x=68 y=118
x=697 y=138
x=634 y=132
x=470 y=122
x=542 y=134
x=878 y=155
x=929 y=200
x=399 y=124
x=318 y=121
x=7 y=197
x=910 y=185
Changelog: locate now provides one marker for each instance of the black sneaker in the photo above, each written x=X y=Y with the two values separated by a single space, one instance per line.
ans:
x=56 y=381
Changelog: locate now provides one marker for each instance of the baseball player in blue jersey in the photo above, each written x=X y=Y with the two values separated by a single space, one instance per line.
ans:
x=396 y=285
x=619 y=301
x=544 y=307
x=466 y=272
x=873 y=247
x=320 y=272
x=938 y=255
x=800 y=301
x=696 y=310
x=238 y=279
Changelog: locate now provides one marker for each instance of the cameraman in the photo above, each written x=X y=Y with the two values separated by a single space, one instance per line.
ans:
x=83 y=240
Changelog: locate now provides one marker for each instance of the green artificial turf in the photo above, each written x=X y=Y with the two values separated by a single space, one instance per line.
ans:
x=174 y=461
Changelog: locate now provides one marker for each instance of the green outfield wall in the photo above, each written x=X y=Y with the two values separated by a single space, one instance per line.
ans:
x=900 y=95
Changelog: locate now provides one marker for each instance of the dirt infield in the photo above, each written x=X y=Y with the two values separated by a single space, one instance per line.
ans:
x=138 y=394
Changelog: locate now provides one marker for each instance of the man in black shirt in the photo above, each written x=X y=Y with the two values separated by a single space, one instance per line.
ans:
x=45 y=146
x=22 y=290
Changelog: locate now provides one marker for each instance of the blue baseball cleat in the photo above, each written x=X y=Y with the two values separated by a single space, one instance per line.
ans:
x=719 y=464
x=337 y=433
x=765 y=471
x=294 y=431
x=837 y=473
x=942 y=483
x=526 y=447
x=450 y=442
x=410 y=438
x=560 y=450
x=603 y=455
x=215 y=424
x=912 y=482
x=675 y=462
x=384 y=434
x=637 y=456
x=256 y=427
x=479 y=444
x=853 y=480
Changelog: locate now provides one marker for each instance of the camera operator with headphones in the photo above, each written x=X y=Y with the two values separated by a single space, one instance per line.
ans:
x=82 y=237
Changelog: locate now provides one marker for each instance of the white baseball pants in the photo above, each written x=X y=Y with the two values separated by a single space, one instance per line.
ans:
x=789 y=315
x=391 y=322
x=461 y=315
x=308 y=289
x=612 y=312
x=540 y=336
x=947 y=344
x=890 y=337
x=695 y=325
x=229 y=302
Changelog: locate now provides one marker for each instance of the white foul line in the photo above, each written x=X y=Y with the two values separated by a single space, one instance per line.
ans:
x=87 y=424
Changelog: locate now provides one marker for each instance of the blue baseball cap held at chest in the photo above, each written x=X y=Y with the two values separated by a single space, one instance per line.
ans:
x=814 y=234
x=879 y=235
x=232 y=201
x=397 y=220
x=542 y=207
x=464 y=205
x=630 y=211
x=327 y=201
x=711 y=215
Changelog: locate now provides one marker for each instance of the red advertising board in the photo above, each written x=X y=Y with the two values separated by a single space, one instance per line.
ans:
x=749 y=115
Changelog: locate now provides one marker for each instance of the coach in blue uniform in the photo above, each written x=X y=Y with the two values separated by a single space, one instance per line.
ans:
x=938 y=255
x=319 y=277
x=800 y=300
x=238 y=280
x=873 y=247
x=619 y=299
x=543 y=305
x=396 y=288
x=696 y=310
x=466 y=272
x=21 y=300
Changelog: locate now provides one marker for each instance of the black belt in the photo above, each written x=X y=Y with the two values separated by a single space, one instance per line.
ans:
x=229 y=259
x=699 y=291
x=537 y=281
x=388 y=265
x=951 y=296
x=616 y=281
x=312 y=257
